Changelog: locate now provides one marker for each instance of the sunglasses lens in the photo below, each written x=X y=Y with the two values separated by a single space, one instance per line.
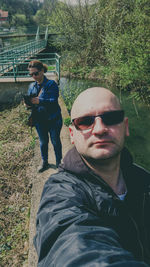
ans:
x=83 y=123
x=108 y=118
x=113 y=117
x=34 y=73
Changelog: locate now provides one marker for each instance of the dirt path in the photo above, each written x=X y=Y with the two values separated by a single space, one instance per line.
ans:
x=38 y=180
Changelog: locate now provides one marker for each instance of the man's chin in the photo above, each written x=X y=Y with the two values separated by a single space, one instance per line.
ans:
x=101 y=155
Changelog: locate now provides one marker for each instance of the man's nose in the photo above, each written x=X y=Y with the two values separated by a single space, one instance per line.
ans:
x=99 y=127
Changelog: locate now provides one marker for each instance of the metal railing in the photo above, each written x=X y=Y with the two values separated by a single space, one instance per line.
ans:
x=17 y=66
x=22 y=51
x=28 y=30
x=14 y=61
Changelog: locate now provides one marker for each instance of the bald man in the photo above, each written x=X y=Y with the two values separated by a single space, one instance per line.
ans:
x=96 y=210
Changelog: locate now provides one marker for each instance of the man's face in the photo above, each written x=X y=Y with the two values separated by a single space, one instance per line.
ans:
x=102 y=141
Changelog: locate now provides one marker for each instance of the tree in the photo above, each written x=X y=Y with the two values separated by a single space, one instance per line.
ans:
x=15 y=7
x=127 y=46
x=109 y=36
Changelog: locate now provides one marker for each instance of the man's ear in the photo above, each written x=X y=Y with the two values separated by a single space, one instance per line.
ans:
x=71 y=134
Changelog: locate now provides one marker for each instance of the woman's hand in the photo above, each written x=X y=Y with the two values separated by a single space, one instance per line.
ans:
x=35 y=100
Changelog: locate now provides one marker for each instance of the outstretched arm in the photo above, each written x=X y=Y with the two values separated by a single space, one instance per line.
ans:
x=69 y=232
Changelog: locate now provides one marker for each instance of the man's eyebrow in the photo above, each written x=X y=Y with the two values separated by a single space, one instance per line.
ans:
x=94 y=114
x=84 y=115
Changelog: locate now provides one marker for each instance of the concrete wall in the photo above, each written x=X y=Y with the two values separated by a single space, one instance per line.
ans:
x=11 y=92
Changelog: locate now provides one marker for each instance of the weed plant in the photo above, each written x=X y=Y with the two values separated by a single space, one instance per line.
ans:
x=16 y=151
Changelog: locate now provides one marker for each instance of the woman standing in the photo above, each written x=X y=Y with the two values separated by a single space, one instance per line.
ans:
x=48 y=119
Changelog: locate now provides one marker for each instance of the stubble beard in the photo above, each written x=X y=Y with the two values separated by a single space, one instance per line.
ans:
x=105 y=158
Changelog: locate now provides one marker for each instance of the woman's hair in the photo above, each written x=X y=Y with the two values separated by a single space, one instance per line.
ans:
x=38 y=65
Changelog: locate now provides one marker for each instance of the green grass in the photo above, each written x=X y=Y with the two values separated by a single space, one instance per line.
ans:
x=16 y=150
x=139 y=125
x=67 y=121
x=51 y=68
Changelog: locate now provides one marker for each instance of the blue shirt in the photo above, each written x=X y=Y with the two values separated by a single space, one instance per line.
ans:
x=48 y=100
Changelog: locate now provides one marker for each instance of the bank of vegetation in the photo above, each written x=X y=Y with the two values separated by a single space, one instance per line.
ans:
x=107 y=41
x=16 y=152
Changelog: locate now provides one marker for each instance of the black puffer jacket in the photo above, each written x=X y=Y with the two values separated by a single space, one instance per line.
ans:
x=82 y=222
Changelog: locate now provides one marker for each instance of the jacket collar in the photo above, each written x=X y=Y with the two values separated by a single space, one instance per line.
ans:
x=73 y=162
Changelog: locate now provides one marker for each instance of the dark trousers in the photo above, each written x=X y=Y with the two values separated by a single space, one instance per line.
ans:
x=52 y=128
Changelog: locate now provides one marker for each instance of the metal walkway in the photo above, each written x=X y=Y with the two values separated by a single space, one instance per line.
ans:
x=14 y=60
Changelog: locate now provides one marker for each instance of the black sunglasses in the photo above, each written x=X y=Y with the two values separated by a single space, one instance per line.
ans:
x=34 y=73
x=108 y=118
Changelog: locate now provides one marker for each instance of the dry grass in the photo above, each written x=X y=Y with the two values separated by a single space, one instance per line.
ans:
x=16 y=150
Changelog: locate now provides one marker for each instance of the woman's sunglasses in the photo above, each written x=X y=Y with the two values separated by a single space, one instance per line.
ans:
x=34 y=73
x=108 y=118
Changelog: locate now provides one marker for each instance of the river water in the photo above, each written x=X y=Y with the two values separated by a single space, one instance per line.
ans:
x=138 y=113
